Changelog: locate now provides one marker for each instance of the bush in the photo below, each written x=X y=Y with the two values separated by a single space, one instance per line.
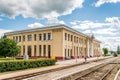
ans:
x=105 y=50
x=107 y=55
x=25 y=64
x=115 y=55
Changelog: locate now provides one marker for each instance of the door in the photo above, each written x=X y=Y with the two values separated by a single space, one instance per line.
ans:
x=29 y=51
x=49 y=51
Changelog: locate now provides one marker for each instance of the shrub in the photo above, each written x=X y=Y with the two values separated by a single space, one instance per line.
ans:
x=107 y=55
x=25 y=64
x=115 y=55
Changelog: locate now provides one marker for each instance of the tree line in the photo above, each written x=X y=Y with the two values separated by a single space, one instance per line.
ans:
x=105 y=51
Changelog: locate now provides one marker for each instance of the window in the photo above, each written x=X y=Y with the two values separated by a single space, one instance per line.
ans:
x=81 y=41
x=84 y=42
x=65 y=36
x=44 y=38
x=81 y=50
x=74 y=38
x=24 y=38
x=98 y=45
x=68 y=37
x=35 y=37
x=49 y=36
x=68 y=52
x=85 y=50
x=20 y=50
x=65 y=52
x=16 y=38
x=77 y=39
x=71 y=52
x=71 y=37
x=29 y=37
x=40 y=37
x=20 y=47
x=19 y=38
x=44 y=50
x=23 y=50
x=40 y=50
x=35 y=47
x=77 y=51
x=74 y=51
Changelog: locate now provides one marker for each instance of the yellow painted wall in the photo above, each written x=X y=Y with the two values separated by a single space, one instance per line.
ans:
x=58 y=43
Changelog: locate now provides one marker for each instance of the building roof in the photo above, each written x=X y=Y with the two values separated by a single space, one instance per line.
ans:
x=48 y=28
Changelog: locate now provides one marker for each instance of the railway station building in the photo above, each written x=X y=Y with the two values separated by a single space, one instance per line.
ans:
x=59 y=41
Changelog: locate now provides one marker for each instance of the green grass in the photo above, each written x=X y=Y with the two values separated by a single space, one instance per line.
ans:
x=6 y=59
x=3 y=59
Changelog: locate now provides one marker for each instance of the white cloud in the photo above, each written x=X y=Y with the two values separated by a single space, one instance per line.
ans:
x=35 y=25
x=1 y=19
x=101 y=2
x=103 y=31
x=55 y=21
x=115 y=21
x=38 y=9
x=87 y=24
x=2 y=31
x=109 y=42
x=106 y=31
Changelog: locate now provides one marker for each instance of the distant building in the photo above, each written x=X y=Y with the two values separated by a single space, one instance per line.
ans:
x=57 y=41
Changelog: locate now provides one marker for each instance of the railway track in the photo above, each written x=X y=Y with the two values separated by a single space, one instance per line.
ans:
x=100 y=73
x=44 y=72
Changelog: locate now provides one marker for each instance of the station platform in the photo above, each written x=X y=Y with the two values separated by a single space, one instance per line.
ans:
x=58 y=65
x=79 y=60
x=117 y=76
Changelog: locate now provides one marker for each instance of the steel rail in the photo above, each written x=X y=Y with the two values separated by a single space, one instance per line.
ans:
x=104 y=76
x=107 y=73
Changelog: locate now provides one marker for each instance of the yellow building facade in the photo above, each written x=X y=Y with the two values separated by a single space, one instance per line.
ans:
x=57 y=41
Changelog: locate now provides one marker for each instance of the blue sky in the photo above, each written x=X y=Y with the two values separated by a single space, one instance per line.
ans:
x=100 y=17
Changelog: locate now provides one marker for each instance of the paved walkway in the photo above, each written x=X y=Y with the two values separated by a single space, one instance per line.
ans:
x=59 y=64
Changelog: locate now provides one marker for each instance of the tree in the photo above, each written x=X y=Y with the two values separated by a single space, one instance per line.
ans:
x=9 y=47
x=118 y=49
x=4 y=36
x=105 y=50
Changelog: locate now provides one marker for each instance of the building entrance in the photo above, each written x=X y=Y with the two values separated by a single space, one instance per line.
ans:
x=29 y=51
x=49 y=51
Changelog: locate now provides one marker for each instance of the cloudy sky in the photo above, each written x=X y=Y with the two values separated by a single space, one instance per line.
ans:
x=101 y=17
